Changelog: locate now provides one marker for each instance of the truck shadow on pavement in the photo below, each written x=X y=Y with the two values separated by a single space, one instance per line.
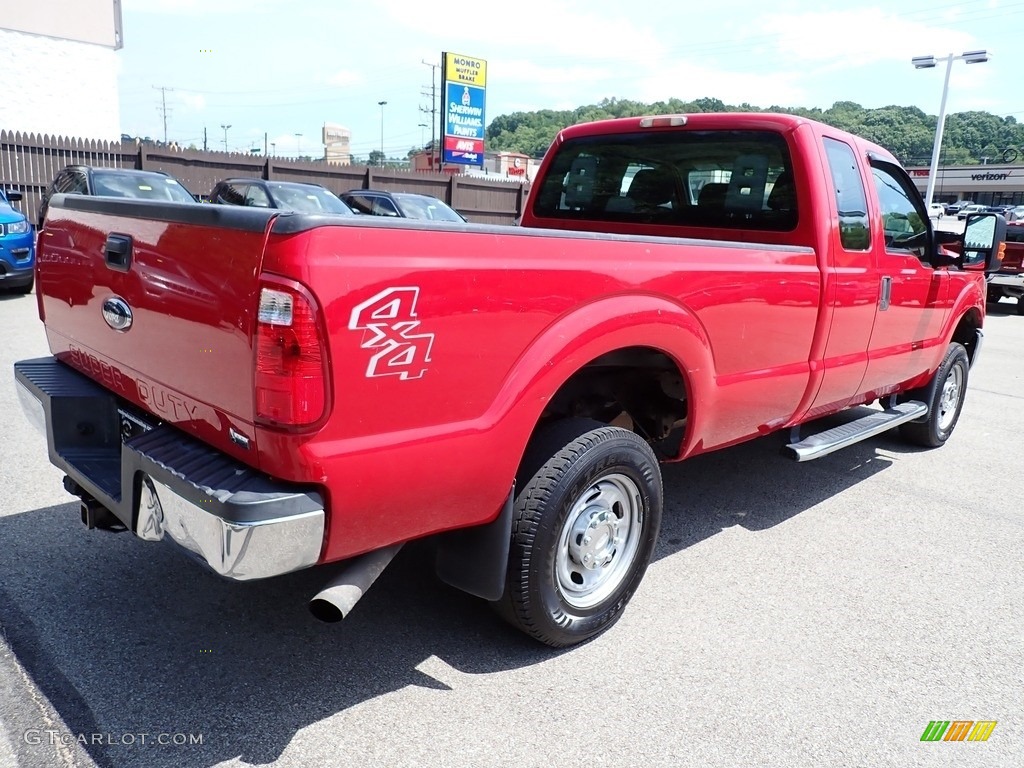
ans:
x=123 y=637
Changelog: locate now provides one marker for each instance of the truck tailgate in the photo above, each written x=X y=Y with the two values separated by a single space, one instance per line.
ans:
x=157 y=302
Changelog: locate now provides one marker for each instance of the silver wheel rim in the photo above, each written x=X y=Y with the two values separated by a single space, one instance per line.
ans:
x=599 y=541
x=952 y=388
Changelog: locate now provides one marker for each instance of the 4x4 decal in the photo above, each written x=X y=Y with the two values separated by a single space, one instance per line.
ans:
x=388 y=321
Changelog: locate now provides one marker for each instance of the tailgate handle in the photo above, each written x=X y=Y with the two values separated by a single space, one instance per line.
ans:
x=119 y=252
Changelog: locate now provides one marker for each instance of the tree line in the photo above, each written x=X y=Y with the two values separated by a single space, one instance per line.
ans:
x=970 y=137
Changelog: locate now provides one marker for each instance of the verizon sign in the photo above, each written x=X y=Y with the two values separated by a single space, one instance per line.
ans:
x=973 y=178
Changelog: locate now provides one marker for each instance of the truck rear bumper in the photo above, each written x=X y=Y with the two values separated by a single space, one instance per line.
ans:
x=163 y=484
x=1008 y=281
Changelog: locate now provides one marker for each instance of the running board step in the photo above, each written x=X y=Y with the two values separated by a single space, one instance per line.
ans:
x=824 y=443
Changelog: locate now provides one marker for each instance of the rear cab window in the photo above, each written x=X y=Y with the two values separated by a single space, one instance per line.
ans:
x=851 y=200
x=696 y=178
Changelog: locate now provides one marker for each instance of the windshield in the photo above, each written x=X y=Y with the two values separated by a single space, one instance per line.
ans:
x=143 y=186
x=306 y=198
x=425 y=207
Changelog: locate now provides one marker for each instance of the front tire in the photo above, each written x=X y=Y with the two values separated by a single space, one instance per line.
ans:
x=585 y=523
x=944 y=395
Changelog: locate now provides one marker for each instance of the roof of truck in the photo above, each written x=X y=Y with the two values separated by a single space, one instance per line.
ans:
x=753 y=121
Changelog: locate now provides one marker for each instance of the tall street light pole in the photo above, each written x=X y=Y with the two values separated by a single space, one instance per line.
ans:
x=298 y=146
x=927 y=62
x=225 y=127
x=381 y=105
x=422 y=126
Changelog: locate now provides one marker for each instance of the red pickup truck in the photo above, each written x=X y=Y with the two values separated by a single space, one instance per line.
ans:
x=1009 y=280
x=275 y=390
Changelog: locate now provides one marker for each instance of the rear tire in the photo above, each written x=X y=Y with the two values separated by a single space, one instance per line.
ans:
x=585 y=521
x=944 y=395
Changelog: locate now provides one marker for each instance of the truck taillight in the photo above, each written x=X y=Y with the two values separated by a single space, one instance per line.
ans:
x=290 y=379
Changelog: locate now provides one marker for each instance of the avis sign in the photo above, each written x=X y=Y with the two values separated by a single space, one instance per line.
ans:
x=465 y=96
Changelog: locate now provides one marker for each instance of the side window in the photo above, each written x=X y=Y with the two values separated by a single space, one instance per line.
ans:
x=231 y=194
x=360 y=203
x=69 y=182
x=384 y=207
x=903 y=224
x=257 y=197
x=59 y=182
x=78 y=185
x=851 y=200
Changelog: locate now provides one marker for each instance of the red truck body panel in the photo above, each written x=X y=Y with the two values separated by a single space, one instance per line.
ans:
x=188 y=358
x=509 y=316
x=445 y=345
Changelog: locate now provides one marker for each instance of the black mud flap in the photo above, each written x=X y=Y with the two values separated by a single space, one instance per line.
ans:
x=475 y=559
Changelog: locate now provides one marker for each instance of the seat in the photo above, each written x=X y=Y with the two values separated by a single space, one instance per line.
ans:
x=652 y=188
x=782 y=200
x=713 y=196
x=783 y=194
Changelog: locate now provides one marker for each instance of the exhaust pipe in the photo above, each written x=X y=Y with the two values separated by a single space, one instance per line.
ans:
x=336 y=601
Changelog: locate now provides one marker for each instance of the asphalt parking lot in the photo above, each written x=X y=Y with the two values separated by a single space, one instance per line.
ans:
x=795 y=615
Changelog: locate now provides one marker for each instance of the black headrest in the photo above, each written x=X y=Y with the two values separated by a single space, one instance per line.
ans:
x=653 y=186
x=712 y=195
x=783 y=194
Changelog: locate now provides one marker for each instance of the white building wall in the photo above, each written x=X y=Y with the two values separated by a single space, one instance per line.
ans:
x=58 y=87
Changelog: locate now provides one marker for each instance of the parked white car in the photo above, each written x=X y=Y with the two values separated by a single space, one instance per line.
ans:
x=936 y=211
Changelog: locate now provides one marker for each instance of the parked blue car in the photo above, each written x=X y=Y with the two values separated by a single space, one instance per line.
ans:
x=17 y=246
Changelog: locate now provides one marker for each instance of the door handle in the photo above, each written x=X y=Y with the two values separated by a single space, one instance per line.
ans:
x=883 y=303
x=118 y=251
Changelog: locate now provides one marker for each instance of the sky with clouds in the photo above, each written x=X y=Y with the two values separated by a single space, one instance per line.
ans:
x=282 y=69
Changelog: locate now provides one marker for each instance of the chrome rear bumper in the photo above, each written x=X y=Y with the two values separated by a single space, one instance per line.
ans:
x=163 y=484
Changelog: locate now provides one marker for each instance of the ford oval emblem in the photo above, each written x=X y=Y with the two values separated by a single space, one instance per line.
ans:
x=117 y=313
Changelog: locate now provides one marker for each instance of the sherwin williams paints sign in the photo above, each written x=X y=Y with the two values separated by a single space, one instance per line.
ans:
x=465 y=89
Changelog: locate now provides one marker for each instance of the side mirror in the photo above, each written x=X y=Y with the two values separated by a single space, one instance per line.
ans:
x=984 y=241
x=13 y=195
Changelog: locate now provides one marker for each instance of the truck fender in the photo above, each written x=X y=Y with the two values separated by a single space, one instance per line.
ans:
x=965 y=321
x=587 y=333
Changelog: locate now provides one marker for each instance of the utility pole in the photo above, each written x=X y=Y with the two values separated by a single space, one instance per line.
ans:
x=264 y=143
x=381 y=105
x=433 y=112
x=163 y=106
x=204 y=138
x=225 y=127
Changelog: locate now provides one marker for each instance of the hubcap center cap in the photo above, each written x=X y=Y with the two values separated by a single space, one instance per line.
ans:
x=949 y=395
x=592 y=544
